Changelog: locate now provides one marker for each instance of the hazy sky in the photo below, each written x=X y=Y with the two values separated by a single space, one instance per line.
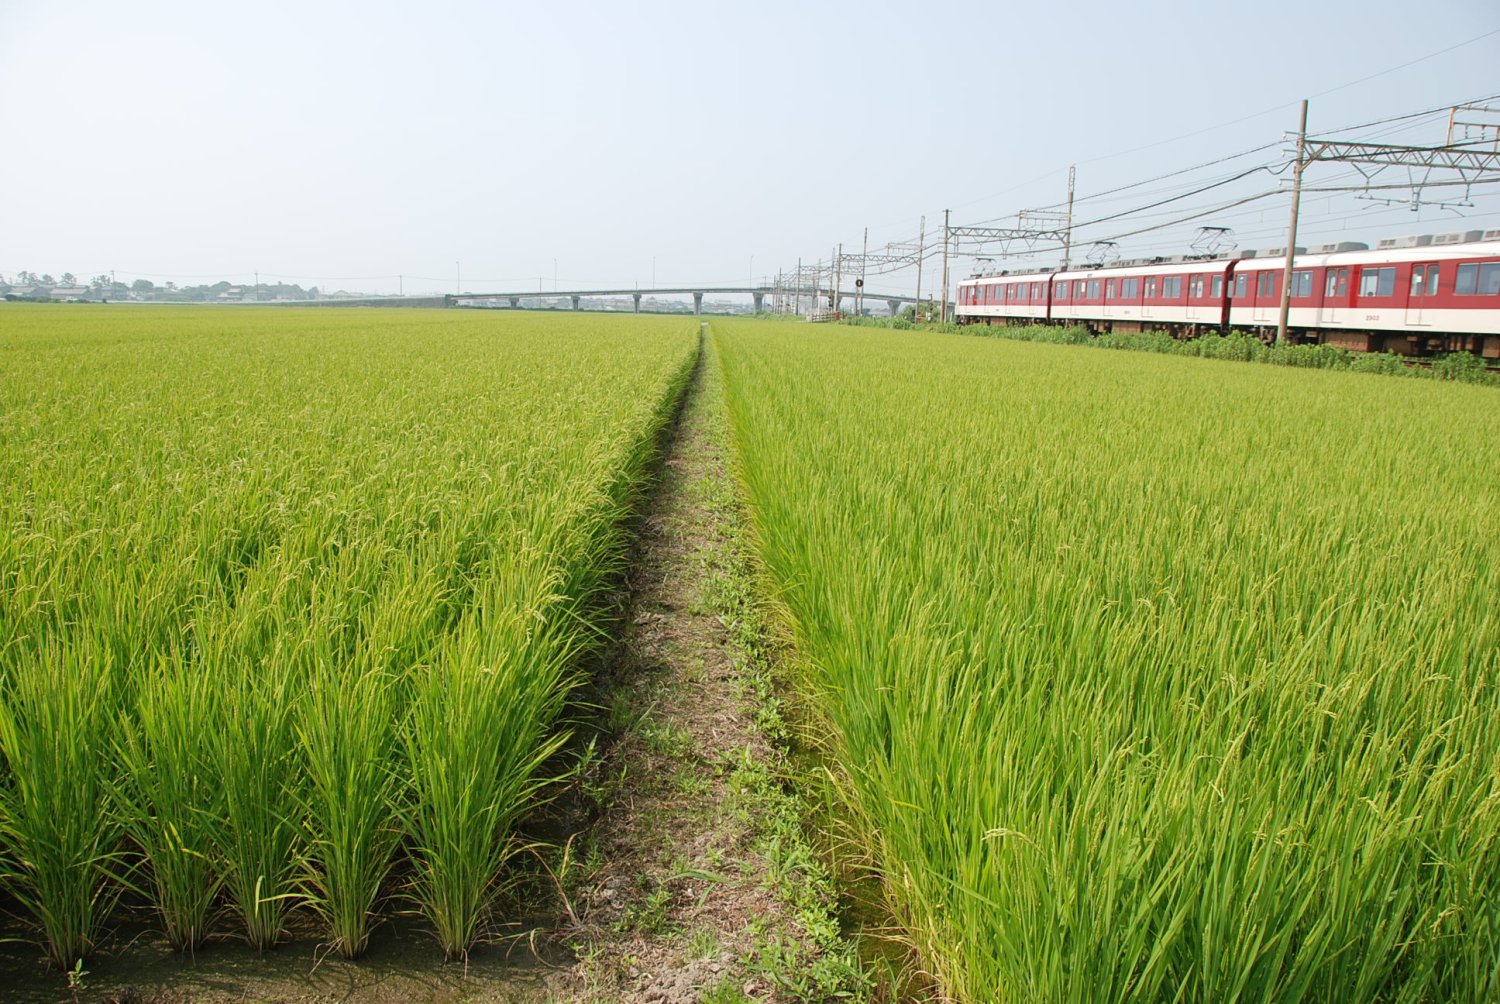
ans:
x=344 y=144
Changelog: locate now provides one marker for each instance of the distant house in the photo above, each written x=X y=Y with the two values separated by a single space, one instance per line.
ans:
x=70 y=293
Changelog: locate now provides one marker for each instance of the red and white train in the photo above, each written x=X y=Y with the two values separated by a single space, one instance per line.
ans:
x=1441 y=296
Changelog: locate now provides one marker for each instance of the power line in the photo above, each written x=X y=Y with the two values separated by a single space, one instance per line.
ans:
x=1414 y=62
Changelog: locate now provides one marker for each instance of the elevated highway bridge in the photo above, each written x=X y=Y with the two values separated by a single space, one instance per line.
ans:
x=758 y=294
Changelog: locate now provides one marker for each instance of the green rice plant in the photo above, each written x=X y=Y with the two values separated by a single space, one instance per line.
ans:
x=254 y=765
x=1145 y=678
x=57 y=826
x=348 y=729
x=168 y=802
x=478 y=737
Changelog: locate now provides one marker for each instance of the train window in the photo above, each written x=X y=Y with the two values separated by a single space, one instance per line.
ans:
x=1130 y=288
x=1093 y=289
x=1432 y=280
x=1195 y=288
x=1418 y=279
x=1489 y=279
x=1150 y=287
x=1109 y=289
x=1377 y=281
x=1171 y=287
x=1265 y=284
x=1483 y=280
x=1078 y=289
x=1218 y=287
x=1302 y=283
x=1468 y=279
x=1241 y=285
x=1036 y=291
x=1060 y=292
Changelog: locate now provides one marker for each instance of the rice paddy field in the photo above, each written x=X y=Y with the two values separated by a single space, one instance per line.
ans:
x=1146 y=679
x=1140 y=678
x=291 y=602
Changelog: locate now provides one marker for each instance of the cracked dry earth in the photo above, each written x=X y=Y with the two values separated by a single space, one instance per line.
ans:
x=676 y=894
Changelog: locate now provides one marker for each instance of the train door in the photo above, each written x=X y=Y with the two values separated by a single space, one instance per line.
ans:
x=1331 y=312
x=1267 y=306
x=1424 y=282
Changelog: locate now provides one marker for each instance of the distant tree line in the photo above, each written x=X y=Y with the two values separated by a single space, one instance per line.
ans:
x=104 y=287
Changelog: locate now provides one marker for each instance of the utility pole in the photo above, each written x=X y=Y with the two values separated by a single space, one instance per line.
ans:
x=833 y=255
x=400 y=285
x=1068 y=226
x=257 y=284
x=838 y=278
x=859 y=293
x=1291 y=235
x=943 y=311
x=916 y=314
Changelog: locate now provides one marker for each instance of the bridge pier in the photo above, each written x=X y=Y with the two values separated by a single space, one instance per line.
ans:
x=515 y=303
x=576 y=301
x=637 y=298
x=760 y=300
x=895 y=306
x=697 y=303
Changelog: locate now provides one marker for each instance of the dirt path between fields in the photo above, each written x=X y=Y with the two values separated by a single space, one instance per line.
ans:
x=696 y=883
